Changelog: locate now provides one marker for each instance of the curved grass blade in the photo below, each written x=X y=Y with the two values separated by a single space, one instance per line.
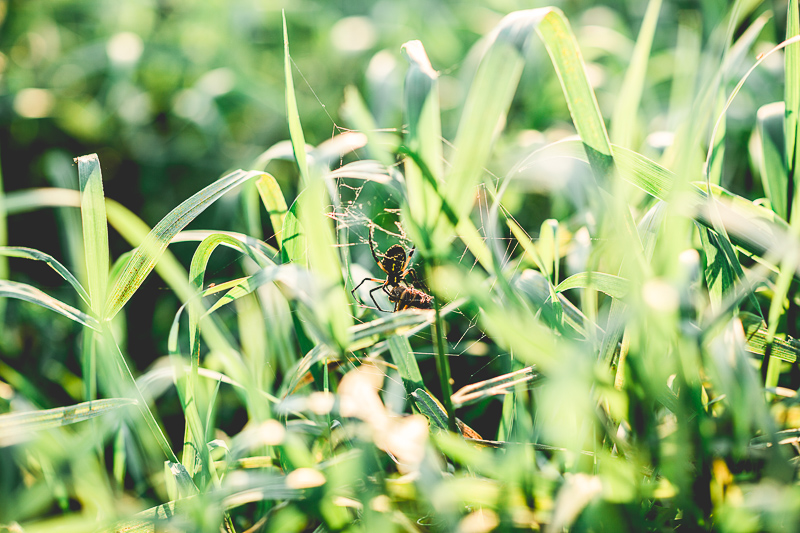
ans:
x=274 y=202
x=23 y=291
x=497 y=386
x=95 y=230
x=260 y=252
x=292 y=113
x=14 y=427
x=35 y=255
x=154 y=244
x=134 y=231
x=614 y=286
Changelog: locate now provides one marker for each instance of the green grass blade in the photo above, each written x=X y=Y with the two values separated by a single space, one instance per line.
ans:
x=560 y=42
x=431 y=408
x=292 y=113
x=614 y=286
x=294 y=248
x=424 y=138
x=95 y=230
x=403 y=356
x=792 y=91
x=772 y=158
x=36 y=255
x=15 y=426
x=245 y=286
x=487 y=103
x=624 y=120
x=500 y=385
x=380 y=145
x=154 y=244
x=23 y=291
x=332 y=308
x=274 y=202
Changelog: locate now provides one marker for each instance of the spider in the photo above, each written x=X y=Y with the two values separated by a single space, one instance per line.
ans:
x=395 y=264
x=409 y=298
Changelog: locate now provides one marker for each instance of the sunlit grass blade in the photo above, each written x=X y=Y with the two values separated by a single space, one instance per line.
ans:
x=292 y=113
x=23 y=291
x=95 y=230
x=246 y=286
x=154 y=244
x=406 y=362
x=431 y=408
x=496 y=386
x=772 y=156
x=274 y=202
x=36 y=255
x=760 y=341
x=792 y=94
x=614 y=286
x=537 y=291
x=380 y=145
x=424 y=137
x=15 y=427
x=625 y=118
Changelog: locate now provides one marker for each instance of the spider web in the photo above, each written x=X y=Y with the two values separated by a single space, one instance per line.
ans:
x=357 y=206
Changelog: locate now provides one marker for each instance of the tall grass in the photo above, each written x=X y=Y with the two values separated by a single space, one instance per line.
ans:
x=629 y=362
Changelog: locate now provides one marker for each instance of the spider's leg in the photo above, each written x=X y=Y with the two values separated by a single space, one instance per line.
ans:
x=373 y=247
x=416 y=281
x=373 y=296
x=410 y=255
x=353 y=292
x=403 y=302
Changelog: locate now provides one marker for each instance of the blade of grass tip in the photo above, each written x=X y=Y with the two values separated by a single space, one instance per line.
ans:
x=320 y=242
x=23 y=291
x=624 y=120
x=274 y=203
x=487 y=103
x=36 y=255
x=155 y=243
x=555 y=32
x=614 y=286
x=292 y=114
x=424 y=137
x=14 y=426
x=95 y=230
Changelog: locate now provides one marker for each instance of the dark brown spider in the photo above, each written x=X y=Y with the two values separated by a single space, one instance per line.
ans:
x=409 y=298
x=395 y=264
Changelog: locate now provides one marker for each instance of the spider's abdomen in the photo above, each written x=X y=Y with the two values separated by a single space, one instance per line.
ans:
x=394 y=259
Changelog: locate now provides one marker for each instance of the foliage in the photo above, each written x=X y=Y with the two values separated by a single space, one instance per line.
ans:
x=616 y=313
